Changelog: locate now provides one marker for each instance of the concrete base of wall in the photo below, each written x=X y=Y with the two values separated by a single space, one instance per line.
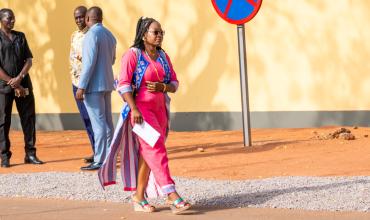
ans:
x=201 y=121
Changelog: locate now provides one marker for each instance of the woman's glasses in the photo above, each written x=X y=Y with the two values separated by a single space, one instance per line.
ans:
x=157 y=32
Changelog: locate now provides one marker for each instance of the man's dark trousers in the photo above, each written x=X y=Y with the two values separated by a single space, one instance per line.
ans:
x=26 y=111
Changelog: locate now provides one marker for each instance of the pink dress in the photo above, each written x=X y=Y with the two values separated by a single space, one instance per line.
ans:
x=152 y=106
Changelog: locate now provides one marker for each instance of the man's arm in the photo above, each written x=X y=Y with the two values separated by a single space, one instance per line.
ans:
x=26 y=68
x=16 y=81
x=114 y=55
x=89 y=54
x=71 y=53
x=27 y=56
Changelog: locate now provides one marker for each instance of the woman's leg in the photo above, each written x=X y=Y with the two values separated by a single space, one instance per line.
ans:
x=163 y=123
x=140 y=203
x=155 y=157
x=142 y=179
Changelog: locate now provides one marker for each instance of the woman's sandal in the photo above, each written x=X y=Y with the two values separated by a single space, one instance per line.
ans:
x=142 y=206
x=178 y=206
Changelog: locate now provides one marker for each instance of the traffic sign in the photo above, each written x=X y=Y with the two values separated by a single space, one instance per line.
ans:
x=240 y=12
x=237 y=11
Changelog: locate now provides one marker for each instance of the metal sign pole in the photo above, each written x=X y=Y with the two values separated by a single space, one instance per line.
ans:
x=244 y=85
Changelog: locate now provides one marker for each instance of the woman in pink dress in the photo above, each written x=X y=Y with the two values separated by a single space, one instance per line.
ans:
x=146 y=77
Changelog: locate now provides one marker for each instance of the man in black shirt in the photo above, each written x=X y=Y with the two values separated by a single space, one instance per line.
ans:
x=15 y=84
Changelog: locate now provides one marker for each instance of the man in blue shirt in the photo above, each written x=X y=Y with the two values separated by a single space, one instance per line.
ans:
x=96 y=82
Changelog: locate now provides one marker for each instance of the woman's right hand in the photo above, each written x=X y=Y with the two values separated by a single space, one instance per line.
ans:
x=136 y=114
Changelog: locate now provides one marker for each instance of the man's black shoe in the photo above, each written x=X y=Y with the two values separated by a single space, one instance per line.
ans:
x=5 y=163
x=89 y=159
x=92 y=166
x=31 y=159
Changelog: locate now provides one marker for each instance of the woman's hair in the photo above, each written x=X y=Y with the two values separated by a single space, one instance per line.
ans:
x=141 y=28
x=3 y=11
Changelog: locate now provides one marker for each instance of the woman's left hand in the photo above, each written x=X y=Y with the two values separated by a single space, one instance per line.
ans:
x=154 y=86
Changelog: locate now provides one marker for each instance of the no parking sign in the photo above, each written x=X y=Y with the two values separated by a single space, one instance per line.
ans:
x=237 y=11
x=240 y=12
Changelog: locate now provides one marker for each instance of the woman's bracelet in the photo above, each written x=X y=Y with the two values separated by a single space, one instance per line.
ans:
x=164 y=87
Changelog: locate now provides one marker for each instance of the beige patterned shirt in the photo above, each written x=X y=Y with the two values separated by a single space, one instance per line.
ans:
x=75 y=55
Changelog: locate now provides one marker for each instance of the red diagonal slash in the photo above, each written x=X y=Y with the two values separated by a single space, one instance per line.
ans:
x=252 y=2
x=228 y=7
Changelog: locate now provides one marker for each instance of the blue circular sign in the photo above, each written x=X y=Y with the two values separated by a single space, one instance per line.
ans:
x=237 y=11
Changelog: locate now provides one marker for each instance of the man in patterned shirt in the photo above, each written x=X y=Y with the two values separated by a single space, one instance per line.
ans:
x=75 y=59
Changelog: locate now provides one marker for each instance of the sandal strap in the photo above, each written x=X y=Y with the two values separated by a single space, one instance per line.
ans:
x=143 y=203
x=178 y=201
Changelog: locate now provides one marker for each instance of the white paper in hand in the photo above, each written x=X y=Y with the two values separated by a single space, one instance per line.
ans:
x=147 y=133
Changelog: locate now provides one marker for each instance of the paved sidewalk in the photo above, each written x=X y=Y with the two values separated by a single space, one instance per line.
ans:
x=32 y=209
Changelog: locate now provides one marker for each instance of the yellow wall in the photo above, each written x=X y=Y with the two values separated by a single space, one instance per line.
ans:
x=307 y=55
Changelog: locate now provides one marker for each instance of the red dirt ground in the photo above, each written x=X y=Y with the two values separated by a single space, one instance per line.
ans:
x=275 y=152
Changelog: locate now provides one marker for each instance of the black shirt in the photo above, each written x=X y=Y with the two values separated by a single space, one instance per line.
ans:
x=13 y=56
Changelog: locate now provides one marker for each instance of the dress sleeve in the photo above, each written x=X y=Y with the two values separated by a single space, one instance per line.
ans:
x=128 y=66
x=173 y=79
